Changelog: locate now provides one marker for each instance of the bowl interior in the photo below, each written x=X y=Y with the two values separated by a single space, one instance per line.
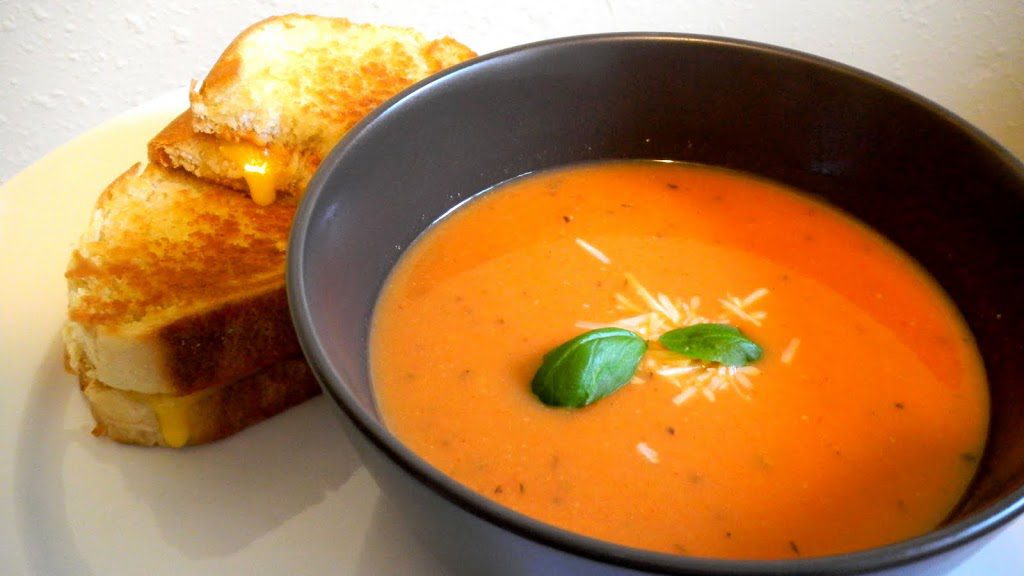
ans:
x=935 y=186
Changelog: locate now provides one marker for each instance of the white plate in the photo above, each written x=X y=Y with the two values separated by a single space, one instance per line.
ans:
x=288 y=496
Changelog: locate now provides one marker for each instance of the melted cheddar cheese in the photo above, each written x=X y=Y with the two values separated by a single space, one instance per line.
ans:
x=260 y=170
x=172 y=414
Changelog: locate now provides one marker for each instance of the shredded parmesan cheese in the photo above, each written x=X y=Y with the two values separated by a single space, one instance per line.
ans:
x=684 y=395
x=734 y=307
x=669 y=308
x=744 y=380
x=754 y=296
x=593 y=251
x=644 y=294
x=626 y=304
x=790 y=351
x=647 y=452
x=677 y=370
x=651 y=314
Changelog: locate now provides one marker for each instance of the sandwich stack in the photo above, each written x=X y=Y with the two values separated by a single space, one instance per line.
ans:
x=178 y=324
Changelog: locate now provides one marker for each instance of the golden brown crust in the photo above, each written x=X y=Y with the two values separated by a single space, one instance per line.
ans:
x=184 y=274
x=164 y=241
x=446 y=51
x=179 y=130
x=178 y=146
x=226 y=69
x=336 y=73
x=209 y=415
x=232 y=340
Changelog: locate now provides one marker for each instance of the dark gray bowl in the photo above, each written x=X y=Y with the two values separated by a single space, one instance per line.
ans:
x=933 y=184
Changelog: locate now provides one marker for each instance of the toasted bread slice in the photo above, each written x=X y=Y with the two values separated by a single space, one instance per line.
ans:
x=213 y=159
x=302 y=81
x=178 y=146
x=204 y=416
x=288 y=88
x=177 y=285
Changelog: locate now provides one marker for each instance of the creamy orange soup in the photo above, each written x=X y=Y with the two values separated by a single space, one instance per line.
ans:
x=862 y=424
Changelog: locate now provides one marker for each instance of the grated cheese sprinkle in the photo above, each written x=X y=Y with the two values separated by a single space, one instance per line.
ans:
x=647 y=452
x=684 y=395
x=754 y=296
x=734 y=305
x=790 y=351
x=744 y=380
x=651 y=314
x=593 y=251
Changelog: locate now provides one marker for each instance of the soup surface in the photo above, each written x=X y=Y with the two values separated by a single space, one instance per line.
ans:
x=861 y=424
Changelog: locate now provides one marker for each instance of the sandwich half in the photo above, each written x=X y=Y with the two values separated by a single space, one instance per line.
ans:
x=178 y=325
x=286 y=91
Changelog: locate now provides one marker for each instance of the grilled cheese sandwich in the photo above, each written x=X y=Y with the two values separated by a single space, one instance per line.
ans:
x=286 y=91
x=178 y=324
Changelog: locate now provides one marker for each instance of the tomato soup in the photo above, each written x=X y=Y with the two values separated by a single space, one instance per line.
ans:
x=861 y=424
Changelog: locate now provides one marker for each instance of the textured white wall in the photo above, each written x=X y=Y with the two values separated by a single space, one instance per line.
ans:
x=67 y=66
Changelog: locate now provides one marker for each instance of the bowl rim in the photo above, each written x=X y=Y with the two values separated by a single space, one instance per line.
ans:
x=888 y=556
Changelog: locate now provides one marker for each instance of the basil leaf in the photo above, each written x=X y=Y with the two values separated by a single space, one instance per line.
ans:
x=712 y=343
x=588 y=367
